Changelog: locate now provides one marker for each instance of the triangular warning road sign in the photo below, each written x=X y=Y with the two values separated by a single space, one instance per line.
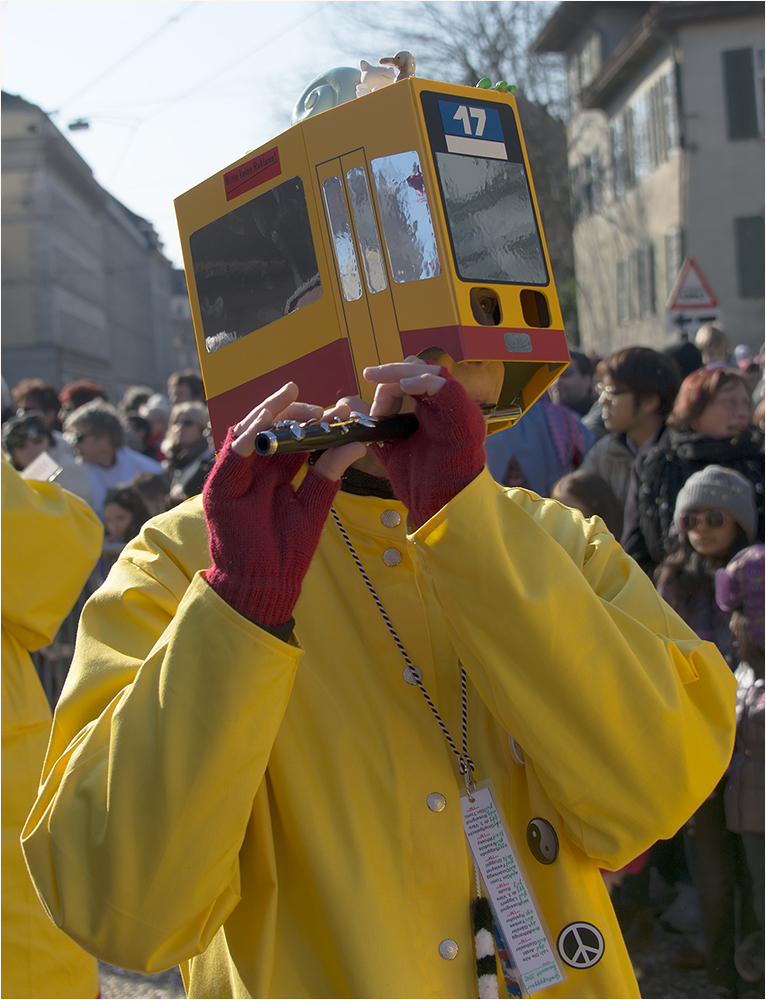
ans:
x=691 y=290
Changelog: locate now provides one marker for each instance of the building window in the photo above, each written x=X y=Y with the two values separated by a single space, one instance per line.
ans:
x=623 y=291
x=580 y=186
x=674 y=257
x=643 y=136
x=586 y=180
x=590 y=60
x=622 y=168
x=645 y=269
x=646 y=135
x=594 y=164
x=743 y=87
x=584 y=65
x=669 y=132
x=749 y=239
x=635 y=285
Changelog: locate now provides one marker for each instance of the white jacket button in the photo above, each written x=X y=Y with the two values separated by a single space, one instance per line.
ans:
x=392 y=557
x=436 y=802
x=448 y=949
x=391 y=518
x=412 y=675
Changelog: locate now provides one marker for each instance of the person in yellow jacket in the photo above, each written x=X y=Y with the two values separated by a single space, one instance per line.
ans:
x=51 y=541
x=268 y=798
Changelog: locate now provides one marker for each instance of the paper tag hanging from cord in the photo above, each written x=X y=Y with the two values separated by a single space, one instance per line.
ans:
x=510 y=896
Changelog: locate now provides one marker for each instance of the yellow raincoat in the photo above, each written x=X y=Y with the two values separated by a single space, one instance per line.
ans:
x=261 y=808
x=51 y=540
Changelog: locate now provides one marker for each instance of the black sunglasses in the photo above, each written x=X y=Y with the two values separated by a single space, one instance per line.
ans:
x=712 y=518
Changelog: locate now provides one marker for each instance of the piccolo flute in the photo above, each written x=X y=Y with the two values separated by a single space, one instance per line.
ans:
x=288 y=435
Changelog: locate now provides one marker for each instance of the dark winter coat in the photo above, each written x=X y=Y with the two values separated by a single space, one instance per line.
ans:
x=664 y=469
x=743 y=796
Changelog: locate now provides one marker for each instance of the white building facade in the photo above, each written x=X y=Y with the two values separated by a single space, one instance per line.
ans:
x=86 y=289
x=666 y=156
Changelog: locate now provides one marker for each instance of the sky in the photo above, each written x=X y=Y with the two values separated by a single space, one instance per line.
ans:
x=174 y=90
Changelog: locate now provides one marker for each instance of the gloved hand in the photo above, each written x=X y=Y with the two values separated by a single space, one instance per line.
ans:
x=446 y=452
x=263 y=533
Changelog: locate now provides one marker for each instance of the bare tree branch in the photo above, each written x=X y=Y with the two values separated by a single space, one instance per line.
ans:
x=462 y=42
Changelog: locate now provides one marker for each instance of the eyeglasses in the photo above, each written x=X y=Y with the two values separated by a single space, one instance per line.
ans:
x=186 y=423
x=75 y=437
x=609 y=392
x=21 y=440
x=712 y=518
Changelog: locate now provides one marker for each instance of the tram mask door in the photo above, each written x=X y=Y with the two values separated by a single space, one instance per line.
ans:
x=358 y=251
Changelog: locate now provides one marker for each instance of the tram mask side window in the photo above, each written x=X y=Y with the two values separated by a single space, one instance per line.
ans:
x=255 y=264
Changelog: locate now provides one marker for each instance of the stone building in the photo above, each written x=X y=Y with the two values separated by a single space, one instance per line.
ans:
x=666 y=159
x=86 y=289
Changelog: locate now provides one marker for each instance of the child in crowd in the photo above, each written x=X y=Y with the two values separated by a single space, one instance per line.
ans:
x=715 y=518
x=124 y=514
x=739 y=589
x=153 y=490
x=591 y=494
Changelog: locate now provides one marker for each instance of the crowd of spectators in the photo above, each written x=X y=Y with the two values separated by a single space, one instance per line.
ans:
x=129 y=460
x=674 y=465
x=667 y=447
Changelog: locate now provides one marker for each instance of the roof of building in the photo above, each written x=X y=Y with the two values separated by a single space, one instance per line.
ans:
x=559 y=34
x=11 y=101
x=77 y=169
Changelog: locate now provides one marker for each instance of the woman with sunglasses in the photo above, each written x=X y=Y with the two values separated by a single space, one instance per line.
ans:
x=190 y=455
x=26 y=436
x=715 y=517
x=711 y=424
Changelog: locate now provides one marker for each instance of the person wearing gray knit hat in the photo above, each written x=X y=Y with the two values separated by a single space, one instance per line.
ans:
x=717 y=488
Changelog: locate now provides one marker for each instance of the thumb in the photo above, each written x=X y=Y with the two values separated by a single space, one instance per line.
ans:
x=335 y=461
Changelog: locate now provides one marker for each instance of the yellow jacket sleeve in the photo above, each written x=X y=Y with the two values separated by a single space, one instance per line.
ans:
x=199 y=708
x=51 y=541
x=626 y=716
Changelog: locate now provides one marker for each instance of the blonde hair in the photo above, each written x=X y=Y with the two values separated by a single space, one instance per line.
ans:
x=711 y=338
x=190 y=410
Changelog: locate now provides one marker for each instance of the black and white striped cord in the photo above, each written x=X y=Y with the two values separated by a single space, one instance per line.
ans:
x=464 y=759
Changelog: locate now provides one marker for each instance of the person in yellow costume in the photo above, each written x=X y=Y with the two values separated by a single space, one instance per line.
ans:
x=51 y=541
x=264 y=796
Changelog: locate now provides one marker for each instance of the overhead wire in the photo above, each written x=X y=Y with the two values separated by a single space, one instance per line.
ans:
x=210 y=79
x=251 y=52
x=128 y=55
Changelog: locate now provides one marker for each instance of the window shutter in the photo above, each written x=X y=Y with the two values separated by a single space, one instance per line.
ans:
x=749 y=234
x=739 y=83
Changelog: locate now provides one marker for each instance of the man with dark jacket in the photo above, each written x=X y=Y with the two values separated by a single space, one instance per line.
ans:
x=637 y=388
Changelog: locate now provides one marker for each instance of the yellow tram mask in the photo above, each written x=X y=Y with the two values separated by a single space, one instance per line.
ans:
x=395 y=224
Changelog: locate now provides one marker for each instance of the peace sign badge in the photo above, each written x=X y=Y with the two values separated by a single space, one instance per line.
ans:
x=581 y=945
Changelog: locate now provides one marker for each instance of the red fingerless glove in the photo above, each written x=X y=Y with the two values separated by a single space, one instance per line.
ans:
x=443 y=456
x=263 y=533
